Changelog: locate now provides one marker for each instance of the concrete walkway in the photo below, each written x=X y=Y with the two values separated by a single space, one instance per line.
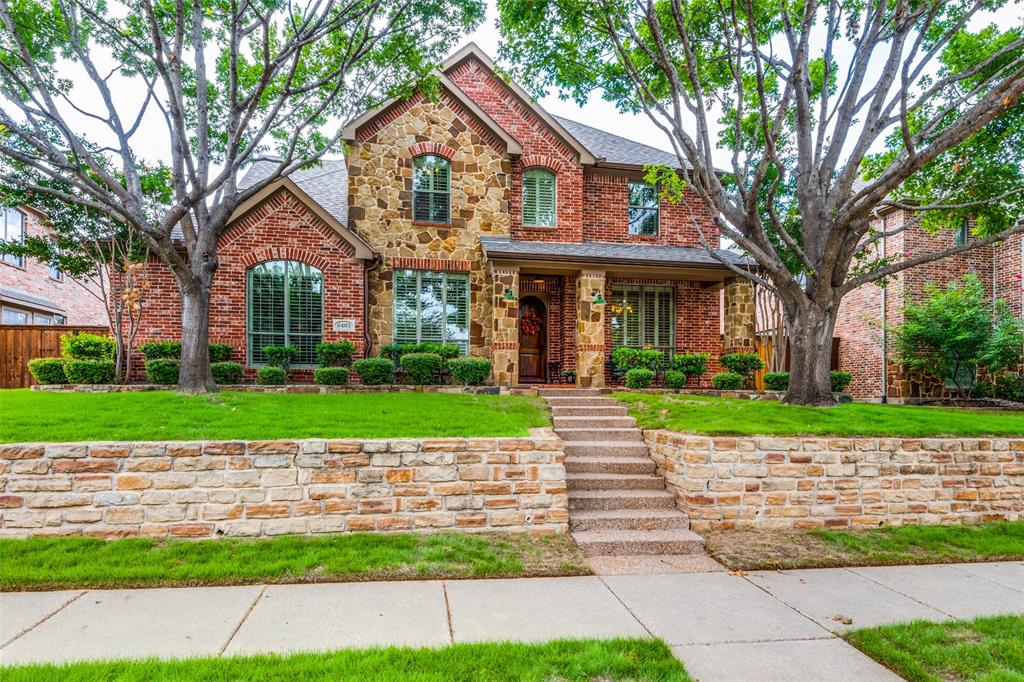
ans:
x=760 y=626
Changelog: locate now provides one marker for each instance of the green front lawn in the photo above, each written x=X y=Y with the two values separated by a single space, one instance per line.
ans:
x=729 y=416
x=983 y=650
x=786 y=549
x=31 y=416
x=637 y=660
x=59 y=563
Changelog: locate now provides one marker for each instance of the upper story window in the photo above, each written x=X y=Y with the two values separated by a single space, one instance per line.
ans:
x=539 y=187
x=12 y=229
x=643 y=209
x=432 y=307
x=55 y=272
x=431 y=189
x=286 y=308
x=962 y=233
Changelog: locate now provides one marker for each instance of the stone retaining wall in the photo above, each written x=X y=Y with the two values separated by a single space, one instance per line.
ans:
x=255 y=488
x=760 y=482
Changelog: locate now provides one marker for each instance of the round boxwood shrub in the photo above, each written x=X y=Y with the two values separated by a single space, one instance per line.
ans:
x=157 y=350
x=220 y=352
x=639 y=377
x=690 y=364
x=840 y=380
x=87 y=347
x=742 y=363
x=331 y=376
x=162 y=371
x=776 y=381
x=375 y=371
x=674 y=379
x=271 y=376
x=625 y=359
x=89 y=371
x=423 y=368
x=226 y=372
x=727 y=381
x=280 y=356
x=447 y=351
x=48 y=370
x=335 y=353
x=470 y=371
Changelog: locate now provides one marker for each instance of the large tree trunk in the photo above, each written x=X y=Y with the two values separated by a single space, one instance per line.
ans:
x=195 y=375
x=810 y=351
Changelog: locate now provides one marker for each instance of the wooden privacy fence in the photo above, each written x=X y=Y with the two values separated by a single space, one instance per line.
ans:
x=763 y=346
x=20 y=343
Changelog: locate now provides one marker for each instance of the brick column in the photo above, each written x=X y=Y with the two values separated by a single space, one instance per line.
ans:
x=505 y=332
x=740 y=316
x=589 y=330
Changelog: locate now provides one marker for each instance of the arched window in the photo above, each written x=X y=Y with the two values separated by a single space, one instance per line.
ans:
x=285 y=308
x=539 y=188
x=431 y=189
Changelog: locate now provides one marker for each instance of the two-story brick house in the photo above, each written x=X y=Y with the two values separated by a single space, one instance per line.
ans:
x=481 y=220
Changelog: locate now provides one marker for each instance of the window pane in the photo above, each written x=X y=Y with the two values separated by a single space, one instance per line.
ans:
x=539 y=198
x=12 y=229
x=431 y=184
x=55 y=272
x=285 y=307
x=405 y=306
x=643 y=221
x=431 y=307
x=305 y=311
x=643 y=317
x=457 y=317
x=643 y=195
x=15 y=316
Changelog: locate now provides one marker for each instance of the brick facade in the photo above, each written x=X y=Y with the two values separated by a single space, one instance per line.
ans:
x=80 y=304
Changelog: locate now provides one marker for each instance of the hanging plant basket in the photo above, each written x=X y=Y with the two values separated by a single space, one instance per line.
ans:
x=530 y=324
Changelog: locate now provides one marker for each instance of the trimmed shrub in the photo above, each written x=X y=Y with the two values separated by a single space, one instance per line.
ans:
x=226 y=372
x=639 y=377
x=742 y=363
x=87 y=347
x=162 y=371
x=727 y=381
x=375 y=371
x=691 y=364
x=335 y=353
x=331 y=376
x=840 y=380
x=674 y=379
x=220 y=352
x=423 y=368
x=89 y=371
x=280 y=356
x=271 y=376
x=447 y=351
x=48 y=370
x=625 y=359
x=159 y=350
x=776 y=381
x=651 y=358
x=395 y=351
x=470 y=371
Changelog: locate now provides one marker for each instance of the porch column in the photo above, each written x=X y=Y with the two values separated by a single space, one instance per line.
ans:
x=589 y=329
x=505 y=332
x=740 y=316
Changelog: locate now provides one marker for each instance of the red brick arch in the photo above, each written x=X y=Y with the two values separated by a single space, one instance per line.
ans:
x=528 y=161
x=435 y=148
x=284 y=253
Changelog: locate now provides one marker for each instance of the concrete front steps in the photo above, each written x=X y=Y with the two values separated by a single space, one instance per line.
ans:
x=618 y=505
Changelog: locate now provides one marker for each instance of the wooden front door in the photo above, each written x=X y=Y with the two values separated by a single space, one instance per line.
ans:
x=533 y=316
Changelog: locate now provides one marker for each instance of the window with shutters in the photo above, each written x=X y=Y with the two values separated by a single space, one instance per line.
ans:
x=643 y=317
x=643 y=209
x=285 y=308
x=431 y=189
x=432 y=307
x=539 y=187
x=12 y=230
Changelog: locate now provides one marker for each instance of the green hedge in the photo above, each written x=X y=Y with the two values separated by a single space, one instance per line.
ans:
x=674 y=379
x=280 y=356
x=727 y=381
x=220 y=352
x=691 y=364
x=270 y=376
x=226 y=372
x=331 y=376
x=162 y=371
x=840 y=380
x=375 y=371
x=89 y=371
x=639 y=377
x=395 y=351
x=87 y=347
x=742 y=363
x=423 y=368
x=776 y=381
x=48 y=370
x=335 y=353
x=626 y=359
x=470 y=371
x=159 y=350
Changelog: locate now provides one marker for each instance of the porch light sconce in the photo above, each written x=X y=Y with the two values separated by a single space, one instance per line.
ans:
x=598 y=297
x=510 y=295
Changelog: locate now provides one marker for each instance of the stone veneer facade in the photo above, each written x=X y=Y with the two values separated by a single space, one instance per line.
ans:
x=763 y=482
x=261 y=488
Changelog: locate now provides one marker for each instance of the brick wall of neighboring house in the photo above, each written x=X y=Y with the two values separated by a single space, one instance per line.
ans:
x=281 y=228
x=80 y=305
x=1009 y=266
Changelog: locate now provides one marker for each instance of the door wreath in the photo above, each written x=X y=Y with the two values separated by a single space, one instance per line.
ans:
x=530 y=324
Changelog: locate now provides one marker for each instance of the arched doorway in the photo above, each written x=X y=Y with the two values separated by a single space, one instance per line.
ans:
x=533 y=332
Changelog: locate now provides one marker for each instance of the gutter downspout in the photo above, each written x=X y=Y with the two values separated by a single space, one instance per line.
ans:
x=377 y=262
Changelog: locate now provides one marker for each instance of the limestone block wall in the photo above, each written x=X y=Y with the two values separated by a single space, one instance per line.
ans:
x=740 y=327
x=761 y=482
x=505 y=331
x=262 y=488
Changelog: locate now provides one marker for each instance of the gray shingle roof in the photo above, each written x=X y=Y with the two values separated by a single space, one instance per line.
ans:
x=617 y=149
x=626 y=254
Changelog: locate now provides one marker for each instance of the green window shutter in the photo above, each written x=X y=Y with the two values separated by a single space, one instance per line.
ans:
x=539 y=190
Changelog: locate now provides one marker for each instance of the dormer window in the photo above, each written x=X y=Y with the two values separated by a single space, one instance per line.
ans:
x=643 y=209
x=539 y=187
x=431 y=189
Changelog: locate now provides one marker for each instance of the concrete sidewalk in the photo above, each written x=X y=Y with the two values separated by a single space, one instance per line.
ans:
x=760 y=626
